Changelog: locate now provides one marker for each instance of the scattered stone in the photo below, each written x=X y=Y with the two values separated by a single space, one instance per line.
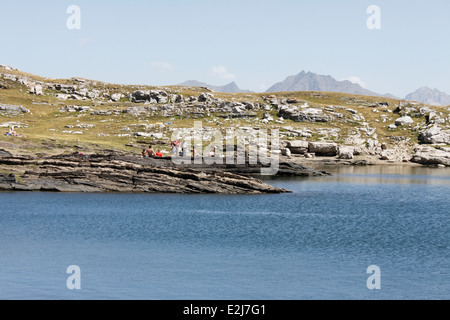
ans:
x=103 y=113
x=404 y=121
x=386 y=155
x=206 y=97
x=249 y=105
x=323 y=149
x=157 y=135
x=179 y=98
x=267 y=116
x=345 y=152
x=36 y=89
x=306 y=115
x=428 y=155
x=292 y=100
x=116 y=97
x=62 y=96
x=286 y=152
x=140 y=96
x=85 y=126
x=272 y=99
x=379 y=105
x=434 y=135
x=75 y=109
x=6 y=109
x=298 y=146
x=358 y=150
x=6 y=67
x=13 y=123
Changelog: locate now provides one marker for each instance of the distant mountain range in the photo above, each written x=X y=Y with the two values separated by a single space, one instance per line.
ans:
x=308 y=81
x=429 y=96
x=230 y=88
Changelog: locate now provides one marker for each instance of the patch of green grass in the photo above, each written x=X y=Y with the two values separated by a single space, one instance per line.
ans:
x=45 y=115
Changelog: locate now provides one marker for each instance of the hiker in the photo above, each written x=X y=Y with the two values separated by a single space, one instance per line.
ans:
x=177 y=147
x=212 y=153
x=150 y=152
x=183 y=149
x=11 y=132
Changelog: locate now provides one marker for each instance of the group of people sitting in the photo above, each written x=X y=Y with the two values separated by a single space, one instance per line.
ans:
x=12 y=132
x=178 y=149
x=151 y=153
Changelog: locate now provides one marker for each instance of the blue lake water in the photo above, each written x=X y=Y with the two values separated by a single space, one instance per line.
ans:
x=315 y=243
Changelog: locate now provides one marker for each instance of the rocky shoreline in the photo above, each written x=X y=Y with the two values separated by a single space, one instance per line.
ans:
x=122 y=173
x=428 y=154
x=312 y=126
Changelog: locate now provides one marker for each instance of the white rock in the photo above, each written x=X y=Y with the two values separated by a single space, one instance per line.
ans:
x=404 y=121
x=36 y=89
x=286 y=152
x=345 y=152
x=392 y=126
x=116 y=97
x=323 y=148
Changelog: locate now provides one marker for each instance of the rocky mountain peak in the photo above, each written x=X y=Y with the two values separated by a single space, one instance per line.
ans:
x=429 y=96
x=309 y=81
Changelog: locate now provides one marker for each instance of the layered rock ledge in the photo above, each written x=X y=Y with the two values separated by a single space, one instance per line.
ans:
x=118 y=173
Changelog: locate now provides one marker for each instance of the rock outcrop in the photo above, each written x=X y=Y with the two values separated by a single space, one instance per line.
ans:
x=428 y=155
x=323 y=148
x=434 y=135
x=364 y=127
x=115 y=173
x=404 y=121
x=303 y=115
x=6 y=109
x=298 y=146
x=345 y=152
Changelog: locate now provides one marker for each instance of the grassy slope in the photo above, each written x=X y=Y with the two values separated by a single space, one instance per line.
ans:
x=45 y=115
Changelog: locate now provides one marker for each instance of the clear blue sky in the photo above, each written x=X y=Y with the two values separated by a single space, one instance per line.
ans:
x=253 y=42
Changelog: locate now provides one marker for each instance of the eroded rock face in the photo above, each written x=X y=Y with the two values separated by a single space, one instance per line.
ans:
x=346 y=152
x=323 y=148
x=36 y=89
x=116 y=97
x=434 y=135
x=7 y=179
x=12 y=109
x=307 y=115
x=404 y=121
x=298 y=146
x=5 y=154
x=152 y=96
x=95 y=173
x=427 y=155
x=206 y=97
